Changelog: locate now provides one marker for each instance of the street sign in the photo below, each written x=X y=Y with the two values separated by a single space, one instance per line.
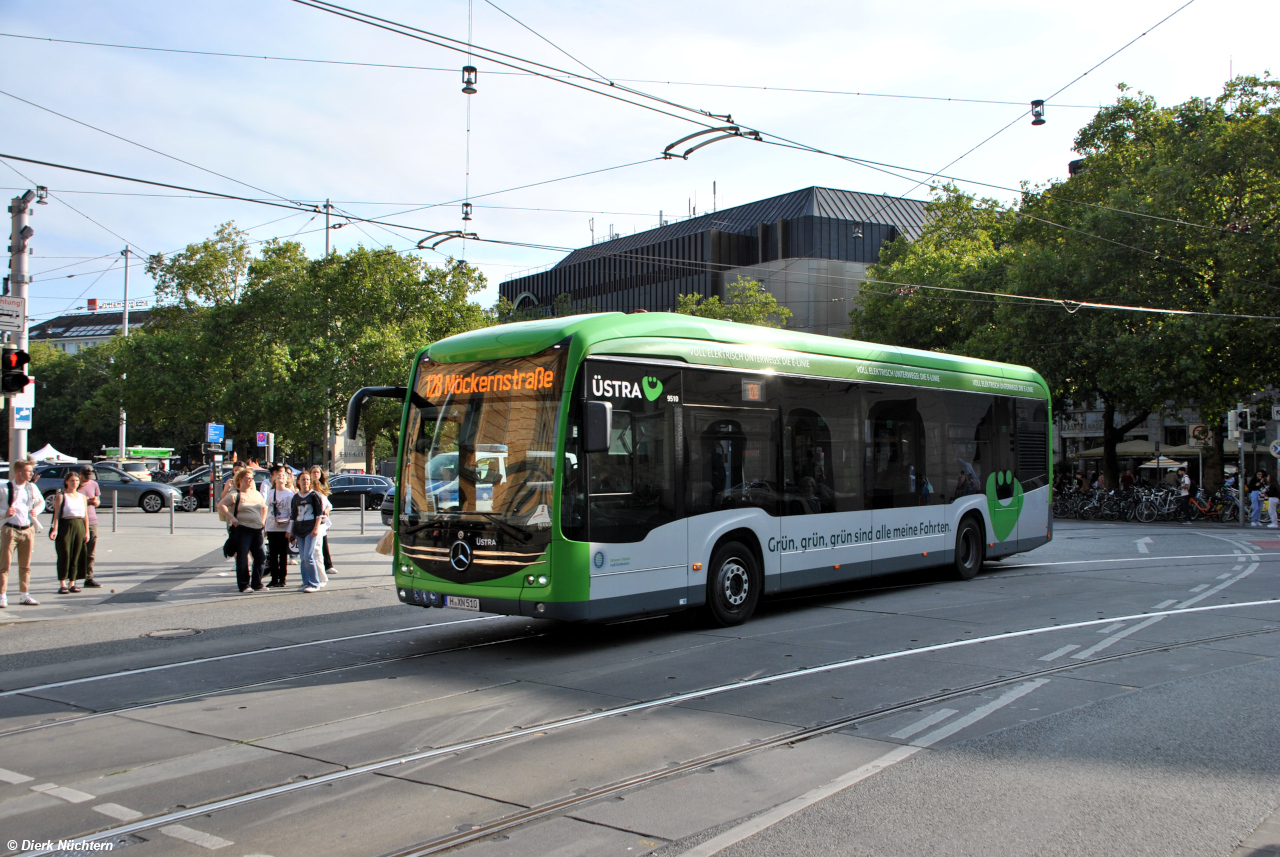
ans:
x=13 y=314
x=262 y=438
x=214 y=432
x=1275 y=448
x=1275 y=412
x=1199 y=435
x=23 y=404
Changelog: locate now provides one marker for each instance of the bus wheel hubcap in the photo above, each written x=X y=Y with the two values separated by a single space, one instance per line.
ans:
x=736 y=583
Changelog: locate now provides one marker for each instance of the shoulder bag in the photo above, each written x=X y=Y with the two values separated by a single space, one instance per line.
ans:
x=230 y=545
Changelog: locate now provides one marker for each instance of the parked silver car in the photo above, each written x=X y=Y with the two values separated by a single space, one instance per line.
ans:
x=148 y=496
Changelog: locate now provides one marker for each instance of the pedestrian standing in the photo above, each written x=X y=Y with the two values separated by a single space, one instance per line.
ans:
x=92 y=492
x=1184 y=494
x=1273 y=500
x=306 y=509
x=22 y=503
x=246 y=510
x=279 y=505
x=320 y=483
x=1257 y=487
x=69 y=532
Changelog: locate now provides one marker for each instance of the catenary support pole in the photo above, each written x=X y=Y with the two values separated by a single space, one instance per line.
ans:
x=124 y=331
x=173 y=506
x=1240 y=481
x=363 y=498
x=115 y=508
x=19 y=279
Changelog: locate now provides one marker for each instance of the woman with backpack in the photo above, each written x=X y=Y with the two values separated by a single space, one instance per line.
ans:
x=306 y=510
x=69 y=532
x=245 y=509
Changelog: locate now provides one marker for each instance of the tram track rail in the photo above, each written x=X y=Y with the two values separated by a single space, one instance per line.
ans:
x=384 y=766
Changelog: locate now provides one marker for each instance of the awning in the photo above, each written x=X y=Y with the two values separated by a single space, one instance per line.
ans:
x=48 y=453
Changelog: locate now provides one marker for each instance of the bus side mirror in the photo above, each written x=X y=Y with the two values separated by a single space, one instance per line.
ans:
x=599 y=428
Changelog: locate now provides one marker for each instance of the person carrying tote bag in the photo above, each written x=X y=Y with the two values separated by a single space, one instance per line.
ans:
x=70 y=532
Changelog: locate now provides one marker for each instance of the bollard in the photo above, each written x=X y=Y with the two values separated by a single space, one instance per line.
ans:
x=173 y=505
x=362 y=502
x=115 y=506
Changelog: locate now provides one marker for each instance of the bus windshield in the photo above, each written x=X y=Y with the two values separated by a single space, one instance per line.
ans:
x=481 y=441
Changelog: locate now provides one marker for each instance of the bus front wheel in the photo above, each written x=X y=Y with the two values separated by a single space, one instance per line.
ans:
x=969 y=549
x=733 y=584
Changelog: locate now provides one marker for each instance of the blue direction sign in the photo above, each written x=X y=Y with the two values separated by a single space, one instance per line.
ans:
x=1275 y=448
x=214 y=432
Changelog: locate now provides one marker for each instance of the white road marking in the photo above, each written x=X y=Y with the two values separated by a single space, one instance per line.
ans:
x=1164 y=604
x=1221 y=586
x=13 y=777
x=115 y=810
x=1221 y=577
x=195 y=837
x=978 y=713
x=1201 y=588
x=1142 y=544
x=791 y=807
x=1131 y=559
x=1111 y=628
x=1057 y=653
x=924 y=723
x=648 y=705
x=69 y=795
x=215 y=658
x=1115 y=638
x=1237 y=568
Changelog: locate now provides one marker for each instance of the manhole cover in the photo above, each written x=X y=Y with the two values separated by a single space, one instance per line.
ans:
x=172 y=633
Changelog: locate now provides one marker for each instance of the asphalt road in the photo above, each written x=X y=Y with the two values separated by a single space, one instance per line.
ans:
x=1109 y=693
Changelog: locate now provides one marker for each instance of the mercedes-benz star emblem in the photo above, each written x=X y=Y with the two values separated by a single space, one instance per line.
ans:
x=460 y=555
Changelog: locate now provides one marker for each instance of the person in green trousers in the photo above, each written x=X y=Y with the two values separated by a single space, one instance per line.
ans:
x=70 y=532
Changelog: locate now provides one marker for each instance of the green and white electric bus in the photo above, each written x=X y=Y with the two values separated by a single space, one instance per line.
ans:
x=609 y=465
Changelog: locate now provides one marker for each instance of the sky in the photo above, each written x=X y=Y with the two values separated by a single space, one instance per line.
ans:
x=381 y=141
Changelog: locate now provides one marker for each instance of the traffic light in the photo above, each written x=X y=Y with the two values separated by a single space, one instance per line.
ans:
x=1242 y=420
x=13 y=377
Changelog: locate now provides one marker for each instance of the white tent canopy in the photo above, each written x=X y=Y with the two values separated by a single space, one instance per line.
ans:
x=48 y=453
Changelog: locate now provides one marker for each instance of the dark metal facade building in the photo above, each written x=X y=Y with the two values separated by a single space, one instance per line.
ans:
x=648 y=270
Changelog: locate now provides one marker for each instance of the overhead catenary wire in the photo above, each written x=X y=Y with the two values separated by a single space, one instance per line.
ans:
x=141 y=145
x=405 y=67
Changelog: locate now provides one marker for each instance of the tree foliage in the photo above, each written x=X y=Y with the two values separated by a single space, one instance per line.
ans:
x=746 y=302
x=280 y=342
x=1174 y=207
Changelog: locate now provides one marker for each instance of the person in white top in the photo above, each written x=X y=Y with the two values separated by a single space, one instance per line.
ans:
x=22 y=502
x=70 y=521
x=279 y=505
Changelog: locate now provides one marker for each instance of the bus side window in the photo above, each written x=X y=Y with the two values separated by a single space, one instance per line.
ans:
x=896 y=475
x=821 y=449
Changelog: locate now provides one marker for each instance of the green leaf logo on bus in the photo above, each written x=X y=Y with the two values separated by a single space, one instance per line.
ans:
x=1004 y=513
x=652 y=388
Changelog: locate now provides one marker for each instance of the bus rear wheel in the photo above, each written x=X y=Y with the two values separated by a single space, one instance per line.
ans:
x=733 y=584
x=969 y=549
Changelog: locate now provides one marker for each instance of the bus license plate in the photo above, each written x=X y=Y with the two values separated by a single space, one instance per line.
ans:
x=462 y=603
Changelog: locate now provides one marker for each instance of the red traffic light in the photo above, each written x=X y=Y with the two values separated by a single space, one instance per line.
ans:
x=13 y=370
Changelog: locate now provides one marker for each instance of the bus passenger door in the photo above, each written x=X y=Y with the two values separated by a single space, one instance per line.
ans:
x=731 y=484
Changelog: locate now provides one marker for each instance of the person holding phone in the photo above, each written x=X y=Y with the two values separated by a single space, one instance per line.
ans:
x=279 y=506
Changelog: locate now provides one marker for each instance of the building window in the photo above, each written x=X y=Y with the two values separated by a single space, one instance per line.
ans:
x=1175 y=435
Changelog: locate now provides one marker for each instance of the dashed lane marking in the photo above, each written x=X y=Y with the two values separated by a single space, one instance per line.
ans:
x=1111 y=629
x=115 y=810
x=1115 y=638
x=195 y=837
x=1201 y=588
x=13 y=777
x=1221 y=586
x=1057 y=653
x=1164 y=604
x=979 y=713
x=1223 y=576
x=69 y=795
x=924 y=723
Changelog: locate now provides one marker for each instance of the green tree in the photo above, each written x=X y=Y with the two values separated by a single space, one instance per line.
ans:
x=746 y=302
x=211 y=272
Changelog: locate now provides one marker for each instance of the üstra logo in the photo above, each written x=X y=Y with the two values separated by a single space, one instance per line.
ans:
x=604 y=389
x=652 y=388
x=1004 y=513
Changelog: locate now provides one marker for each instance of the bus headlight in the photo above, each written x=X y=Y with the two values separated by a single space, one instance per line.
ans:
x=543 y=580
